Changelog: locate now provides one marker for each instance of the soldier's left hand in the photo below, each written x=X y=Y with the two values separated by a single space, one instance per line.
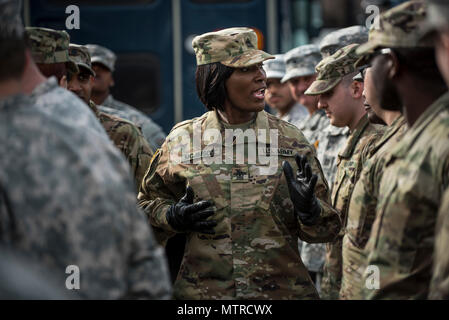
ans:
x=302 y=190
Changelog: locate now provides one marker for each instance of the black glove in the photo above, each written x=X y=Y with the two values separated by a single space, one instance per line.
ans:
x=302 y=190
x=188 y=216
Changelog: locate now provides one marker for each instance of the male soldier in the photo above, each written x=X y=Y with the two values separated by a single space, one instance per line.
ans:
x=300 y=67
x=362 y=207
x=300 y=64
x=278 y=95
x=438 y=27
x=336 y=137
x=48 y=51
x=65 y=207
x=103 y=63
x=341 y=97
x=124 y=134
x=415 y=175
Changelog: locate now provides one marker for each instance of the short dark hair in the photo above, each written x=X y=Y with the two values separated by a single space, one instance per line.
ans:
x=12 y=57
x=210 y=84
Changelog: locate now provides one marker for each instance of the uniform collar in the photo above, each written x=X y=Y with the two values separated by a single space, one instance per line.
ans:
x=94 y=108
x=402 y=149
x=354 y=137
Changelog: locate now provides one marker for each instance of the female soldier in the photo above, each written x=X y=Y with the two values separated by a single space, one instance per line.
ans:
x=241 y=225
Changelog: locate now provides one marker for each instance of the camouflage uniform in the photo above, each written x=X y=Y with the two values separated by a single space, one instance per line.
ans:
x=63 y=205
x=439 y=286
x=253 y=253
x=362 y=211
x=350 y=159
x=50 y=46
x=296 y=115
x=129 y=140
x=124 y=134
x=401 y=242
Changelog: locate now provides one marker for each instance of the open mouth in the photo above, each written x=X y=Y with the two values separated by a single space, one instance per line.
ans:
x=260 y=93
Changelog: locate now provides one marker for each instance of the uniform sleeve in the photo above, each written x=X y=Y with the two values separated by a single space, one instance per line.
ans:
x=328 y=224
x=148 y=275
x=158 y=191
x=136 y=150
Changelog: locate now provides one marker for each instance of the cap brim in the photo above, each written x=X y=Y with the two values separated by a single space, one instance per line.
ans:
x=85 y=66
x=72 y=67
x=249 y=58
x=322 y=86
x=274 y=74
x=367 y=48
x=300 y=72
x=101 y=61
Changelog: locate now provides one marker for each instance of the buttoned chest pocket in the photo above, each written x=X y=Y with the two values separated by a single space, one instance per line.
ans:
x=343 y=187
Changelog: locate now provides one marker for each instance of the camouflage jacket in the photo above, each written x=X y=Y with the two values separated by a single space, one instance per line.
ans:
x=63 y=104
x=331 y=141
x=439 y=286
x=70 y=201
x=362 y=211
x=313 y=126
x=349 y=165
x=254 y=252
x=402 y=237
x=152 y=132
x=296 y=115
x=129 y=140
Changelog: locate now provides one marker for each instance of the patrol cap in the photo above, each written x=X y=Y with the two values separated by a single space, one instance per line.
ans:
x=80 y=55
x=10 y=20
x=437 y=16
x=301 y=61
x=399 y=27
x=333 y=69
x=102 y=55
x=232 y=47
x=275 y=68
x=50 y=46
x=342 y=38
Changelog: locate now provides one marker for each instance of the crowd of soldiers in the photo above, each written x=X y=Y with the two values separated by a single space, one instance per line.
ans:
x=87 y=180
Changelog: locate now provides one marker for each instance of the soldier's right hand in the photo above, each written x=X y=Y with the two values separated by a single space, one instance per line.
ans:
x=186 y=216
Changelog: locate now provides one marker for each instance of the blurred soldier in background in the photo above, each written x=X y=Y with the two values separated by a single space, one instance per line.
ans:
x=66 y=193
x=300 y=64
x=103 y=63
x=278 y=95
x=341 y=97
x=300 y=67
x=342 y=38
x=416 y=171
x=124 y=134
x=437 y=29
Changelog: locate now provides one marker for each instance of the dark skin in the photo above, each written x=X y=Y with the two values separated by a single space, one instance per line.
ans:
x=396 y=79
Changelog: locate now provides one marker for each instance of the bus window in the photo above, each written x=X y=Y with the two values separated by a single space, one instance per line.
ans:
x=138 y=81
